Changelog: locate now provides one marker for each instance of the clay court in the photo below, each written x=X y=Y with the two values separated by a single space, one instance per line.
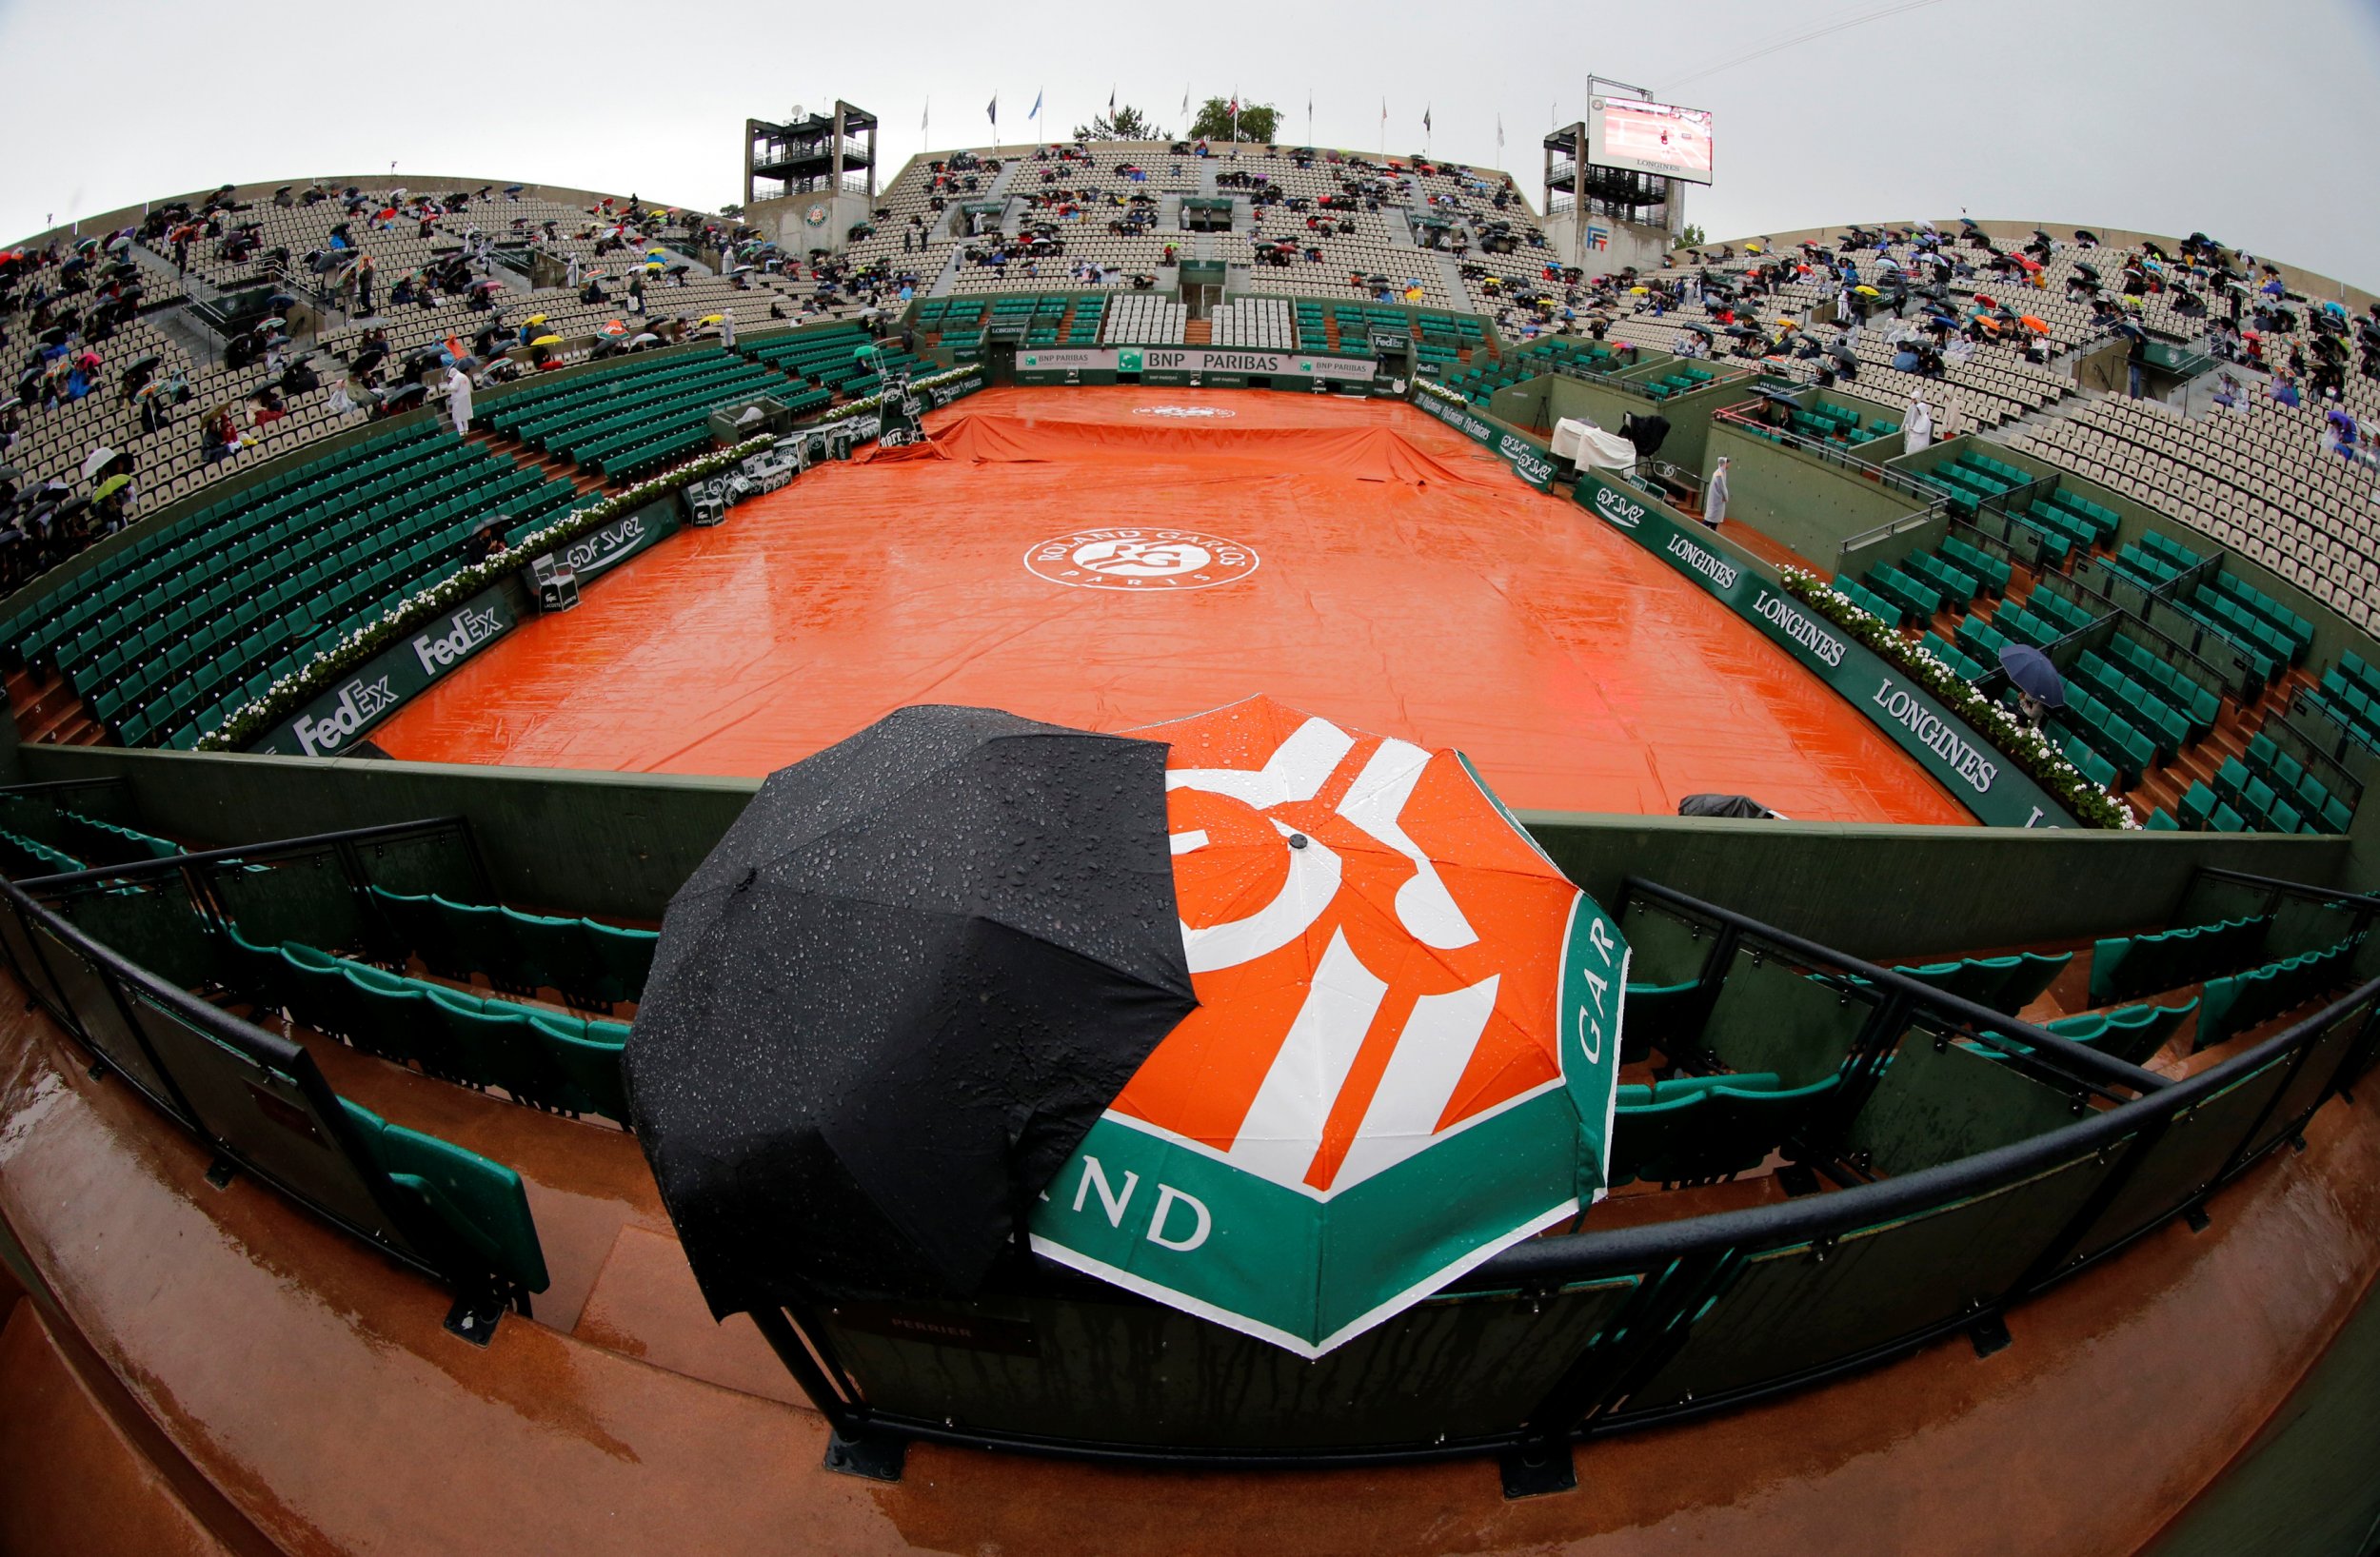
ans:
x=1354 y=559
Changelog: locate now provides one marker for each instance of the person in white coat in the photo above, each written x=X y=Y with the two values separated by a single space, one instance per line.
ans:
x=1917 y=425
x=1951 y=420
x=1715 y=495
x=728 y=329
x=459 y=400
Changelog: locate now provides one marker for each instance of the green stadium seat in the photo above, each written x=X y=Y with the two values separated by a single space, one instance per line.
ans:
x=480 y=1202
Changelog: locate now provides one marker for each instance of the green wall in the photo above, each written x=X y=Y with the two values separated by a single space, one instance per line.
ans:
x=1797 y=499
x=618 y=844
x=1881 y=891
x=613 y=844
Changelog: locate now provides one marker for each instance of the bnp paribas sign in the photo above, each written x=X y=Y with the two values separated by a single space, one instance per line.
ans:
x=331 y=725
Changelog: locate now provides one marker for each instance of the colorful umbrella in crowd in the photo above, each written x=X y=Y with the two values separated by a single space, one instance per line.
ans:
x=1279 y=1023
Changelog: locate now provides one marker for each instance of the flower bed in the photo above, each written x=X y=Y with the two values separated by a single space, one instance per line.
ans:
x=302 y=685
x=2028 y=748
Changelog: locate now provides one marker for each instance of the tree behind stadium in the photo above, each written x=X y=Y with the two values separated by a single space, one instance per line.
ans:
x=1258 y=121
x=1125 y=124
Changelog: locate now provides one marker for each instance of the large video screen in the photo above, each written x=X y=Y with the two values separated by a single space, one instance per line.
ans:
x=1650 y=138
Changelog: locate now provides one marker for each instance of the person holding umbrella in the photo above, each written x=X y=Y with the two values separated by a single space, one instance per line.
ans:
x=2039 y=687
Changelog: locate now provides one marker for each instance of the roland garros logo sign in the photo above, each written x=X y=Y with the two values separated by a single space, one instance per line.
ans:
x=1150 y=561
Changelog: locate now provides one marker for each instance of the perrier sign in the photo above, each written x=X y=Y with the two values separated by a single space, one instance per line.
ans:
x=1404 y=1056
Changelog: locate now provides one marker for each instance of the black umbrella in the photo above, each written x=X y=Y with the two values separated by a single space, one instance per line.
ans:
x=2034 y=674
x=1723 y=806
x=885 y=1010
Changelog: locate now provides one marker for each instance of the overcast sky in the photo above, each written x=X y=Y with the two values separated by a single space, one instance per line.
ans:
x=2258 y=124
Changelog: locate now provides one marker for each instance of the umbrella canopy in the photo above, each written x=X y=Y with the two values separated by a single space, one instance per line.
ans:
x=111 y=487
x=1405 y=1056
x=547 y=341
x=885 y=1009
x=97 y=461
x=1867 y=291
x=2039 y=327
x=2034 y=675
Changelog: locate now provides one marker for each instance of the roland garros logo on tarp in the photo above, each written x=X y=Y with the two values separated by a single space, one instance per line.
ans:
x=1406 y=1055
x=1150 y=561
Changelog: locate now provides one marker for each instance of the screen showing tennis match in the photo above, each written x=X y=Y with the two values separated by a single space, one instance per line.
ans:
x=1650 y=138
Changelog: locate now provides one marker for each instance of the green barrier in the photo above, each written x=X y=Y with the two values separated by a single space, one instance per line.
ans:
x=1982 y=778
x=381 y=684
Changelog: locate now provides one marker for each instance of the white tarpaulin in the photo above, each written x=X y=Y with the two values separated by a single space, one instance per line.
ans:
x=1585 y=443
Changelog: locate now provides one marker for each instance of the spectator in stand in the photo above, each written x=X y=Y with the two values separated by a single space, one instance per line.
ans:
x=1917 y=425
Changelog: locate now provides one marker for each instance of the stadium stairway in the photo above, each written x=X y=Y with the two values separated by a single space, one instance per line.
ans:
x=555 y=466
x=46 y=709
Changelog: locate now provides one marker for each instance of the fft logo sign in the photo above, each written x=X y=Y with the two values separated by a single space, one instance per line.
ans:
x=1147 y=561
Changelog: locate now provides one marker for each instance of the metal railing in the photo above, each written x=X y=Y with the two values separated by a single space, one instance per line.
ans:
x=1572 y=1336
x=256 y=1100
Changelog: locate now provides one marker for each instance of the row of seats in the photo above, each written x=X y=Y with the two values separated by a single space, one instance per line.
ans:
x=622 y=426
x=67 y=832
x=1144 y=319
x=593 y=965
x=2243 y=1001
x=2145 y=710
x=2346 y=703
x=2291 y=781
x=2154 y=561
x=544 y=1058
x=1703 y=1129
x=202 y=615
x=2113 y=740
x=2265 y=808
x=22 y=856
x=1842 y=424
x=2269 y=648
x=2007 y=984
x=2198 y=705
x=2124 y=967
x=2131 y=1034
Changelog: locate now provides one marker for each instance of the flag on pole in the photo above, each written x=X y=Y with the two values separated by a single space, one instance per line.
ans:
x=1186 y=100
x=1035 y=110
x=994 y=111
x=1111 y=102
x=927 y=118
x=1425 y=121
x=1499 y=132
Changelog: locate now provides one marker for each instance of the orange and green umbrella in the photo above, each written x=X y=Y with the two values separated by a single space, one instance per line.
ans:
x=1405 y=1053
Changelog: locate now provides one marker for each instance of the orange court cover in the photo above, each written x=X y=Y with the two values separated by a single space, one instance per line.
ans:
x=1110 y=558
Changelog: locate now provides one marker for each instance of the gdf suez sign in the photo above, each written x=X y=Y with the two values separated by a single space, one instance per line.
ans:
x=372 y=691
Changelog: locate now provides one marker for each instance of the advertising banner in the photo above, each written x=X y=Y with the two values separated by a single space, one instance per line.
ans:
x=1977 y=773
x=607 y=547
x=330 y=725
x=1173 y=361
